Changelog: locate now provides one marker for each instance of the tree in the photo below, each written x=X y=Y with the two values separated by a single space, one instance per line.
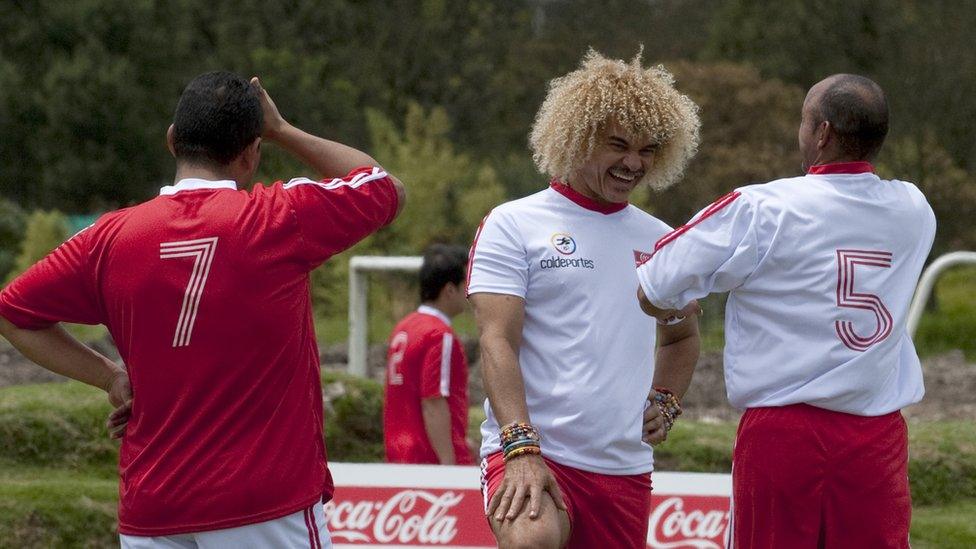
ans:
x=949 y=189
x=449 y=193
x=748 y=135
x=12 y=219
x=45 y=231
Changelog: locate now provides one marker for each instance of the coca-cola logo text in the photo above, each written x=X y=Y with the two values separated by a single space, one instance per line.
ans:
x=408 y=516
x=671 y=526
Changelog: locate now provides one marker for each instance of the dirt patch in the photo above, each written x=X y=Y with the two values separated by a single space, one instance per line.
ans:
x=950 y=381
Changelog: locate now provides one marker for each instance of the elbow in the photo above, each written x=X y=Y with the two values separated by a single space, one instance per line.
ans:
x=6 y=328
x=644 y=302
x=401 y=194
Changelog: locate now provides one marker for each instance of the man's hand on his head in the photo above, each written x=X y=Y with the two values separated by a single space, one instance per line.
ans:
x=273 y=121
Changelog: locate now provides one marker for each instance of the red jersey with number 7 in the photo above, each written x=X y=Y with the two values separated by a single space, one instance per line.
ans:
x=205 y=290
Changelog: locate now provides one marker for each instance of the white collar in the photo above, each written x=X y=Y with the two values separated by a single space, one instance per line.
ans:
x=192 y=184
x=432 y=311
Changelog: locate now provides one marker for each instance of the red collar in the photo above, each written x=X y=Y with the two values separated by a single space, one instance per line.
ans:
x=605 y=208
x=841 y=168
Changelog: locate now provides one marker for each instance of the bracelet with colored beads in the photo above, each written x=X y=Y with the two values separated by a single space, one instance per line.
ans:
x=669 y=405
x=519 y=439
x=518 y=431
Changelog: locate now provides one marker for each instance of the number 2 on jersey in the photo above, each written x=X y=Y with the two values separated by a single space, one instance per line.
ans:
x=202 y=252
x=847 y=261
x=398 y=346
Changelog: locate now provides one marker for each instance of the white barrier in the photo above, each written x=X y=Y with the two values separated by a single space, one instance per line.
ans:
x=359 y=301
x=383 y=505
x=927 y=282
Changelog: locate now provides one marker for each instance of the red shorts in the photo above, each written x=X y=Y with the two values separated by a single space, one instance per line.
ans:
x=807 y=477
x=606 y=511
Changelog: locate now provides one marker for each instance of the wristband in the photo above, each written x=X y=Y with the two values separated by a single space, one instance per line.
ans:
x=671 y=320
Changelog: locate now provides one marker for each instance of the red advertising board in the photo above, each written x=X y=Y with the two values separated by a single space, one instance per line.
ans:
x=422 y=506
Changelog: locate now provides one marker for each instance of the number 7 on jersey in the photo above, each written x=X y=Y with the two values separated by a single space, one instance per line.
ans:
x=202 y=252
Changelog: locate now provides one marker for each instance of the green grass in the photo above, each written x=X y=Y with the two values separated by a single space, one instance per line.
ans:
x=57 y=424
x=944 y=527
x=50 y=507
x=953 y=324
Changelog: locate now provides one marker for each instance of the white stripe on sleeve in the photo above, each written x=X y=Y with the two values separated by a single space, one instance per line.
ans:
x=354 y=182
x=446 y=348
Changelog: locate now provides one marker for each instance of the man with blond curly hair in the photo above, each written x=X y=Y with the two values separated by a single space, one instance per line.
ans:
x=568 y=357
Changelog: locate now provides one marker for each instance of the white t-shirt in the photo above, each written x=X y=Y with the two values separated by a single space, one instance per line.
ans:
x=820 y=271
x=587 y=351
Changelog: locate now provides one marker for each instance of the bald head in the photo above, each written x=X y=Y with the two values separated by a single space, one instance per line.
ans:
x=856 y=108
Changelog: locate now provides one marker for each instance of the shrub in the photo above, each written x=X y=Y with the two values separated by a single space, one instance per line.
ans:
x=12 y=220
x=44 y=232
x=353 y=417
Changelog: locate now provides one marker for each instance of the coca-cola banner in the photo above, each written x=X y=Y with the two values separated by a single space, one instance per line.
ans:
x=379 y=505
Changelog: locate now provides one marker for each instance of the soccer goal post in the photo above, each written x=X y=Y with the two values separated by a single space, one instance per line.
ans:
x=927 y=282
x=359 y=267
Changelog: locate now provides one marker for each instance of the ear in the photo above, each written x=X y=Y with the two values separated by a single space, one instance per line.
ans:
x=824 y=134
x=252 y=154
x=170 y=141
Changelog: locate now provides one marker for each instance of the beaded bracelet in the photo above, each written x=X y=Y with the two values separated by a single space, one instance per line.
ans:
x=518 y=439
x=668 y=404
x=518 y=431
x=534 y=450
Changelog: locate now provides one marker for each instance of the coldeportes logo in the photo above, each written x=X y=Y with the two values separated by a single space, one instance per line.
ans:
x=563 y=243
x=556 y=262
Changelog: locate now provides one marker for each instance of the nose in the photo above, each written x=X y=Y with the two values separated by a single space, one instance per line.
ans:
x=632 y=161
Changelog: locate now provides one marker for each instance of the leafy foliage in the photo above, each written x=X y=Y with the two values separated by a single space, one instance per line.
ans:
x=12 y=219
x=87 y=89
x=44 y=232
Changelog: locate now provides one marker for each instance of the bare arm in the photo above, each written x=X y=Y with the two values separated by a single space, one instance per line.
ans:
x=54 y=349
x=677 y=354
x=500 y=319
x=437 y=422
x=328 y=158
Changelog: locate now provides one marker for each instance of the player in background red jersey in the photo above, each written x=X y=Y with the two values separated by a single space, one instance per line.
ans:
x=425 y=411
x=205 y=290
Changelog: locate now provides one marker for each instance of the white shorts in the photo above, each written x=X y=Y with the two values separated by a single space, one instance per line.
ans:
x=305 y=529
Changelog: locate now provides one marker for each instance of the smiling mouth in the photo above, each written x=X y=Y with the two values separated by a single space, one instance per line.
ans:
x=625 y=176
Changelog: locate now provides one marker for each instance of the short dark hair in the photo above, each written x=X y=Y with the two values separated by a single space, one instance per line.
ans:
x=857 y=110
x=443 y=263
x=217 y=117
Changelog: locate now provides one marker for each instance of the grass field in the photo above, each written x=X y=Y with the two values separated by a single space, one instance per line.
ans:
x=58 y=486
x=950 y=321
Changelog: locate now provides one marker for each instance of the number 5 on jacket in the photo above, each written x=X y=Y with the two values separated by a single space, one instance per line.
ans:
x=847 y=260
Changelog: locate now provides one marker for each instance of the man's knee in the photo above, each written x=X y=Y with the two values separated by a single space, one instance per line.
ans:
x=528 y=535
x=550 y=530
